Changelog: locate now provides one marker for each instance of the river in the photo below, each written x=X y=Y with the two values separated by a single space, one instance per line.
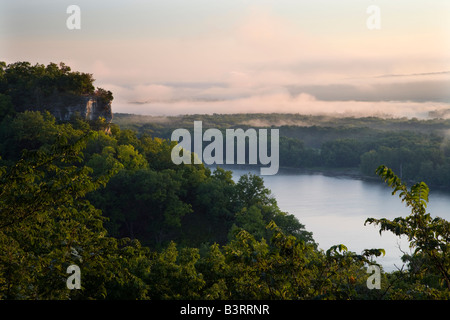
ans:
x=334 y=209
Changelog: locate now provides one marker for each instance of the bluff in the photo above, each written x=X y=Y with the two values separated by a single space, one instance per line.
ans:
x=65 y=106
x=54 y=88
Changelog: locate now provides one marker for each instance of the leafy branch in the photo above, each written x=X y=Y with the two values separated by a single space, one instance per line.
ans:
x=430 y=237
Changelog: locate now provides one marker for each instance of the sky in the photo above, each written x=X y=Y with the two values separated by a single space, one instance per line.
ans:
x=169 y=57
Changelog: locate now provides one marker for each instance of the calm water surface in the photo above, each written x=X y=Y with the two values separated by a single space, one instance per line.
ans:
x=335 y=208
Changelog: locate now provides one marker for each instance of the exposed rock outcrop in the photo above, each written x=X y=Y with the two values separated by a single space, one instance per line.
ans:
x=66 y=106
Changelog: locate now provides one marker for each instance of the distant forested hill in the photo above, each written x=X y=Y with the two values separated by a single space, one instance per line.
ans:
x=416 y=149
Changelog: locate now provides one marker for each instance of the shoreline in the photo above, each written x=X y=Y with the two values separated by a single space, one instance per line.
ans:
x=348 y=172
x=352 y=172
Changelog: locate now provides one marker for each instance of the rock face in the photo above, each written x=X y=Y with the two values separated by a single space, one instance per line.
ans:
x=65 y=106
x=88 y=107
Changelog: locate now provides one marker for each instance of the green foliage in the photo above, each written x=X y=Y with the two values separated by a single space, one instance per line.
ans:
x=105 y=96
x=251 y=220
x=39 y=87
x=281 y=268
x=29 y=86
x=47 y=225
x=174 y=275
x=6 y=106
x=341 y=153
x=430 y=237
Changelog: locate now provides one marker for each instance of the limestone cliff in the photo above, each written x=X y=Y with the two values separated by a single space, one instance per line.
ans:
x=65 y=106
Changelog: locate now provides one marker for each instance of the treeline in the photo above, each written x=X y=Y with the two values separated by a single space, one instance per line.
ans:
x=288 y=121
x=414 y=156
x=418 y=150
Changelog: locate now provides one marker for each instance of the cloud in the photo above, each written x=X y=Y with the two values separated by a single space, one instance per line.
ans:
x=283 y=102
x=257 y=61
x=414 y=74
x=416 y=91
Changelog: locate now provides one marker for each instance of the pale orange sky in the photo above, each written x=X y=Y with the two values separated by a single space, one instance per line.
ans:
x=199 y=56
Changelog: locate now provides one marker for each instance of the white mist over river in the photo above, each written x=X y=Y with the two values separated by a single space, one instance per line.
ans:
x=334 y=209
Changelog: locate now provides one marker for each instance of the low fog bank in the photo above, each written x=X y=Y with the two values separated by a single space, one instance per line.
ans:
x=162 y=112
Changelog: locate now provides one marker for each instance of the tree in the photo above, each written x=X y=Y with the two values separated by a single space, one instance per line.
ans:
x=46 y=225
x=105 y=96
x=250 y=190
x=430 y=237
x=33 y=130
x=31 y=86
x=174 y=276
x=250 y=220
x=143 y=204
x=131 y=158
x=6 y=106
x=341 y=153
